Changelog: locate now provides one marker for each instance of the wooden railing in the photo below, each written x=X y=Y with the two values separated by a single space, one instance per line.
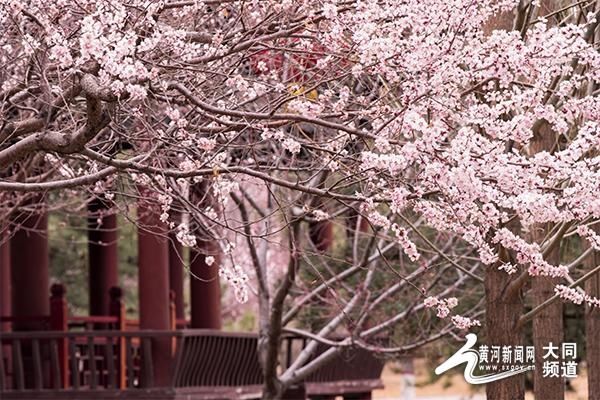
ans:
x=99 y=360
x=42 y=321
x=216 y=358
x=59 y=319
x=92 y=359
x=352 y=370
x=93 y=322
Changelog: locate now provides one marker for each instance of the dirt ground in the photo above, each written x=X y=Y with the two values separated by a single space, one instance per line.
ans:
x=451 y=387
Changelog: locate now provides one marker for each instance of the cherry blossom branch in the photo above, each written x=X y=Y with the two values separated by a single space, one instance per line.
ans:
x=56 y=141
x=525 y=318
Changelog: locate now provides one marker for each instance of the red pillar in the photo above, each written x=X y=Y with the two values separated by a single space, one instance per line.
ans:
x=153 y=285
x=321 y=234
x=117 y=309
x=29 y=269
x=205 y=288
x=29 y=279
x=176 y=275
x=5 y=290
x=103 y=256
x=59 y=322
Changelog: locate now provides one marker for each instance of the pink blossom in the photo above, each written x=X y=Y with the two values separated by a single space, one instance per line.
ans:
x=464 y=322
x=576 y=296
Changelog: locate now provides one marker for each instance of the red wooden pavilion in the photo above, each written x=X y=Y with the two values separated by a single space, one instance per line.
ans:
x=48 y=354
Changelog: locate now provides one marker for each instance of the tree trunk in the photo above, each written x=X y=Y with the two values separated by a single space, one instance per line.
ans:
x=503 y=308
x=592 y=328
x=548 y=324
x=547 y=328
x=269 y=346
x=502 y=314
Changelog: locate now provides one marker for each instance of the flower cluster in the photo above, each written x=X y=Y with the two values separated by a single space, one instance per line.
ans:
x=443 y=306
x=576 y=296
x=184 y=236
x=464 y=323
x=421 y=109
x=592 y=237
x=237 y=278
x=528 y=253
x=407 y=245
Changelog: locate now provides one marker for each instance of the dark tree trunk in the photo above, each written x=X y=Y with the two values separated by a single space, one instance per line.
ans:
x=502 y=314
x=503 y=308
x=592 y=329
x=548 y=324
x=547 y=328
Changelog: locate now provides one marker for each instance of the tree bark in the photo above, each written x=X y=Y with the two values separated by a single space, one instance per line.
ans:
x=592 y=328
x=547 y=328
x=502 y=313
x=268 y=347
x=503 y=307
x=548 y=324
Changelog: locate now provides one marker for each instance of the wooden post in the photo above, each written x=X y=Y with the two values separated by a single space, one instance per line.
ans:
x=5 y=289
x=176 y=269
x=204 y=283
x=173 y=316
x=172 y=312
x=5 y=307
x=103 y=256
x=321 y=234
x=117 y=309
x=153 y=285
x=58 y=322
x=297 y=392
x=29 y=277
x=205 y=287
x=29 y=269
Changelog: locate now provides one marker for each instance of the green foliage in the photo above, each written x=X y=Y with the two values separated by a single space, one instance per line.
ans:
x=67 y=240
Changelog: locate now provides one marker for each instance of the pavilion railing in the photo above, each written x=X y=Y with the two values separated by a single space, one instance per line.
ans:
x=112 y=359
x=59 y=318
x=78 y=360
x=215 y=358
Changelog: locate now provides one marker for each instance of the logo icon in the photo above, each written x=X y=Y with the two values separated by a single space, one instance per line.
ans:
x=470 y=357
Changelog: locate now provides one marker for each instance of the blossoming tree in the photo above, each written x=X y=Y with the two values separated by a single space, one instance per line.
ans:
x=430 y=127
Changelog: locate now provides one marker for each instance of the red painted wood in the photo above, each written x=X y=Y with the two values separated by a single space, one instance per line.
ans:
x=205 y=288
x=58 y=322
x=29 y=281
x=103 y=255
x=29 y=269
x=321 y=234
x=207 y=362
x=5 y=289
x=153 y=284
x=117 y=309
x=176 y=275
